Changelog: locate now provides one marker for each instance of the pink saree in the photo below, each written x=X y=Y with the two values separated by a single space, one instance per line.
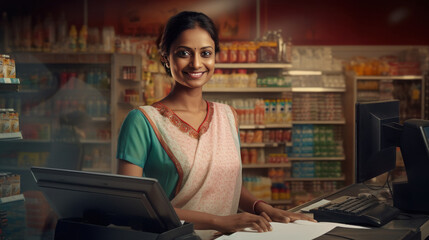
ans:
x=207 y=160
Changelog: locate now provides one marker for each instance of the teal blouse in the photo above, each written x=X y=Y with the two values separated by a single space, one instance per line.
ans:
x=138 y=144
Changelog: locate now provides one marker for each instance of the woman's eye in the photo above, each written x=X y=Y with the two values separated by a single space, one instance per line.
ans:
x=183 y=53
x=206 y=54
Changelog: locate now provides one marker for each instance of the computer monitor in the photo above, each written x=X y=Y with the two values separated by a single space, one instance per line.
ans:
x=378 y=133
x=136 y=202
x=375 y=155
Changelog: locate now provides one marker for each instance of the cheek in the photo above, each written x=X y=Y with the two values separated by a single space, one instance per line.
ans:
x=210 y=64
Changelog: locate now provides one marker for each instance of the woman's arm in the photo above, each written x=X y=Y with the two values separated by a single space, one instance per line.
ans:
x=247 y=200
x=249 y=203
x=130 y=169
x=201 y=220
x=224 y=224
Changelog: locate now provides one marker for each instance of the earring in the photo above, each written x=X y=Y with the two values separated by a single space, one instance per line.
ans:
x=167 y=65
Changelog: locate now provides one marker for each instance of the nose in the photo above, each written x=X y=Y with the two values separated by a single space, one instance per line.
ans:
x=196 y=61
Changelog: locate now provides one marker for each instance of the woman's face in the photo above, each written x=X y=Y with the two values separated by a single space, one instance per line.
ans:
x=192 y=58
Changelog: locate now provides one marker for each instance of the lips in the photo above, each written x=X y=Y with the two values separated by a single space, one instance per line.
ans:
x=195 y=75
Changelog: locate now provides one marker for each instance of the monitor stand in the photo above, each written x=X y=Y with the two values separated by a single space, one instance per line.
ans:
x=410 y=197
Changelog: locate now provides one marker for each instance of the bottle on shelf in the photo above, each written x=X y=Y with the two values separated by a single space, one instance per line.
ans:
x=83 y=38
x=73 y=38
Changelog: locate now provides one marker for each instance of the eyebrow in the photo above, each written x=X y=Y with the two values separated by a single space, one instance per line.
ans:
x=192 y=48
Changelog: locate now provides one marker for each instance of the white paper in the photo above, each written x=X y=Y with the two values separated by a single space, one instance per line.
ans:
x=299 y=230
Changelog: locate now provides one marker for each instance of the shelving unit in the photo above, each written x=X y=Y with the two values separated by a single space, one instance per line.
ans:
x=315 y=179
x=75 y=95
x=352 y=97
x=247 y=90
x=261 y=169
x=8 y=86
x=267 y=165
x=10 y=136
x=119 y=84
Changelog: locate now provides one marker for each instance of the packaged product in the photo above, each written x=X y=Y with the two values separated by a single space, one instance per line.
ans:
x=245 y=156
x=233 y=53
x=252 y=52
x=15 y=182
x=267 y=52
x=5 y=122
x=253 y=156
x=6 y=187
x=250 y=135
x=14 y=122
x=223 y=54
x=242 y=136
x=8 y=67
x=242 y=52
x=258 y=136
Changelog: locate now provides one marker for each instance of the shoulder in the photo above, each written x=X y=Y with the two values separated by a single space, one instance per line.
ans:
x=137 y=115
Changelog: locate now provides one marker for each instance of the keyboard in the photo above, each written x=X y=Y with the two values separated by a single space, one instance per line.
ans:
x=362 y=210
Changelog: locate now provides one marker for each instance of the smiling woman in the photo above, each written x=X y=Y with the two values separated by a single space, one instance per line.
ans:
x=191 y=145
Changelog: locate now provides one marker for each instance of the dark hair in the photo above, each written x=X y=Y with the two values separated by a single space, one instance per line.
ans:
x=181 y=22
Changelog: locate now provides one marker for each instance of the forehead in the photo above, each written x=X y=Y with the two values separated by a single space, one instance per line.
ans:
x=193 y=38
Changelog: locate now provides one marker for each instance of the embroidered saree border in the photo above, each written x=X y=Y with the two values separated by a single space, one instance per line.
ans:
x=167 y=150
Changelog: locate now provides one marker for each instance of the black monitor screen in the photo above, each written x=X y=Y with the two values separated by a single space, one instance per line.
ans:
x=373 y=155
x=121 y=200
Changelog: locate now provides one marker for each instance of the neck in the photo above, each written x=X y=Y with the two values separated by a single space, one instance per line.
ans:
x=184 y=98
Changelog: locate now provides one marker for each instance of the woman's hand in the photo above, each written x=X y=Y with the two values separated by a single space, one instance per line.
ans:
x=279 y=215
x=240 y=221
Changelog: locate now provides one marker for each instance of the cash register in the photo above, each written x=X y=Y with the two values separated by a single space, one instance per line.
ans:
x=109 y=206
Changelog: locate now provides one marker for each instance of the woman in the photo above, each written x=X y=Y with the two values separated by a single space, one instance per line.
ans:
x=191 y=145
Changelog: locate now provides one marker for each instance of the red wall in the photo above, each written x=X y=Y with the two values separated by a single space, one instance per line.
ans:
x=308 y=22
x=359 y=22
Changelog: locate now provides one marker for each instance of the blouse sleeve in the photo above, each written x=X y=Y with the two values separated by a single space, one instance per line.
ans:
x=134 y=139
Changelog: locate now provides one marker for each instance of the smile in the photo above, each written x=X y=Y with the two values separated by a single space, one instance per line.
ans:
x=195 y=74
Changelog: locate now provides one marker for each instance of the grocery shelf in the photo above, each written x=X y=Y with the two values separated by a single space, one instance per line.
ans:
x=261 y=145
x=18 y=197
x=9 y=81
x=254 y=65
x=316 y=179
x=296 y=72
x=335 y=122
x=342 y=158
x=10 y=136
x=9 y=84
x=267 y=165
x=248 y=90
x=62 y=58
x=317 y=89
x=265 y=126
x=404 y=77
